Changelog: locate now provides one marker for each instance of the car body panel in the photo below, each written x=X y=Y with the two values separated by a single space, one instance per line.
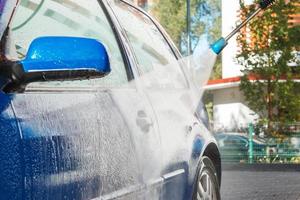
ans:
x=71 y=146
x=101 y=142
x=174 y=113
x=11 y=162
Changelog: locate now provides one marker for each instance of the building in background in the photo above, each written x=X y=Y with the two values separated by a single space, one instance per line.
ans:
x=231 y=111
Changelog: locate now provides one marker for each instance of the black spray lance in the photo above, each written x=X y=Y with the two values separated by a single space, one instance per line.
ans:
x=220 y=44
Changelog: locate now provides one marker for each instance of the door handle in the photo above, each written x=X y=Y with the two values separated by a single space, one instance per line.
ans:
x=190 y=128
x=143 y=121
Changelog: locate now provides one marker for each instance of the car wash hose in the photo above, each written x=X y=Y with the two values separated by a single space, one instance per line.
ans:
x=220 y=44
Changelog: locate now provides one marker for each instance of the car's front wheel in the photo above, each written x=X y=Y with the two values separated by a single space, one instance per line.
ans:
x=206 y=187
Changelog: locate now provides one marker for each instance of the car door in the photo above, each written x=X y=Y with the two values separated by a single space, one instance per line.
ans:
x=81 y=139
x=168 y=92
x=147 y=139
x=10 y=152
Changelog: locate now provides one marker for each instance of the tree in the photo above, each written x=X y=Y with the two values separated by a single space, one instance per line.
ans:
x=267 y=48
x=205 y=19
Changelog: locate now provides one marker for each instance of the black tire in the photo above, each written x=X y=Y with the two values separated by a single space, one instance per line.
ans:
x=206 y=186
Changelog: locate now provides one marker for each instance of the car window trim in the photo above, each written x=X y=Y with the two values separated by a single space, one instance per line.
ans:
x=130 y=55
x=159 y=28
x=114 y=28
x=167 y=39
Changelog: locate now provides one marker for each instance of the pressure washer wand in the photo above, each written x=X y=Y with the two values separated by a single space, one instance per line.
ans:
x=220 y=44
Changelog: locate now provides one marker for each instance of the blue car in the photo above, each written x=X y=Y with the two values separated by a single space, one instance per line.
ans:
x=89 y=111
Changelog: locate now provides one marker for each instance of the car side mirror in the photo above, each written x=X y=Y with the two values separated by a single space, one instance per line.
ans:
x=56 y=58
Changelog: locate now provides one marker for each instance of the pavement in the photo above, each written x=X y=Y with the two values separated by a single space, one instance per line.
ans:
x=261 y=183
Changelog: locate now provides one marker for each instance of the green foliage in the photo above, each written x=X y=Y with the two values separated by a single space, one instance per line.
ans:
x=266 y=50
x=172 y=15
x=205 y=19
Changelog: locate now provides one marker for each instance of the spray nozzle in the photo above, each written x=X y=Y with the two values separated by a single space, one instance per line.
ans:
x=220 y=44
x=265 y=3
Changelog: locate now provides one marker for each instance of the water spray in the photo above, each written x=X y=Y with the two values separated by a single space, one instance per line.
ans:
x=200 y=65
x=220 y=44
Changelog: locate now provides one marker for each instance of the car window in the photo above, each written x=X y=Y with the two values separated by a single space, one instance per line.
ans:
x=79 y=18
x=156 y=60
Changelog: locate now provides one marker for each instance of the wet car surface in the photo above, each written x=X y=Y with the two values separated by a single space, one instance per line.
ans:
x=125 y=134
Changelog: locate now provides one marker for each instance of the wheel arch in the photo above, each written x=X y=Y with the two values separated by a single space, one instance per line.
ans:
x=212 y=152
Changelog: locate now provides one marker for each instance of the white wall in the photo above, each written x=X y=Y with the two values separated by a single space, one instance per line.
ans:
x=230 y=110
x=230 y=10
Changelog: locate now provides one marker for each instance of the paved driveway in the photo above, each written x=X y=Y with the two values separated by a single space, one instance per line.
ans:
x=260 y=185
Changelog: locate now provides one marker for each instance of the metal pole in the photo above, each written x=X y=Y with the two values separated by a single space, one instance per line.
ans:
x=238 y=28
x=188 y=25
x=251 y=131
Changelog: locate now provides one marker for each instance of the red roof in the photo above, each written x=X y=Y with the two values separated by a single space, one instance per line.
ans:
x=224 y=80
x=238 y=79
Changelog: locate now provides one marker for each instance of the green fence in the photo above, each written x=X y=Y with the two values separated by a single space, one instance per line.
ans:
x=249 y=148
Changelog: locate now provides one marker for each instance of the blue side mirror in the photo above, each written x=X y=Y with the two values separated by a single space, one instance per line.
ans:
x=56 y=58
x=59 y=54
